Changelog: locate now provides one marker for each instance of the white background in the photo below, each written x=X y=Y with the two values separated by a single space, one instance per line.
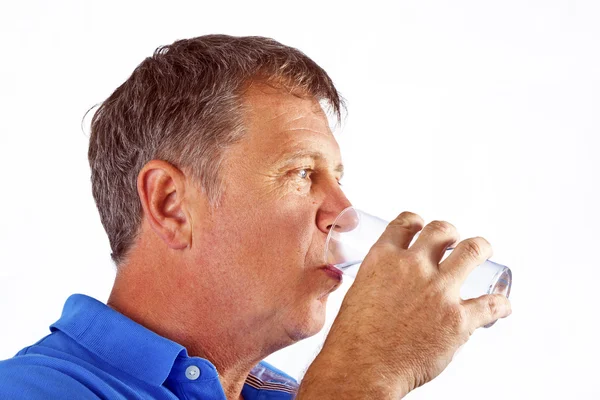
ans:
x=481 y=113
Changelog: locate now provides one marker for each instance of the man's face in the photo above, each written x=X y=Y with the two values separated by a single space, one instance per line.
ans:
x=265 y=241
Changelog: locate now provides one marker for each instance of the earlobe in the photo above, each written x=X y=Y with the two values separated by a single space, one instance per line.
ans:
x=161 y=188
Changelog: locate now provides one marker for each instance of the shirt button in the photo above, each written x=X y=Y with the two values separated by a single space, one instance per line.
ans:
x=192 y=372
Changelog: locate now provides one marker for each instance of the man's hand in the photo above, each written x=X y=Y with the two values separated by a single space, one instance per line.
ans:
x=403 y=319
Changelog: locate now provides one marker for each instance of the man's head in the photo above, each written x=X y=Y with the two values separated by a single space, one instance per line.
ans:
x=184 y=105
x=214 y=161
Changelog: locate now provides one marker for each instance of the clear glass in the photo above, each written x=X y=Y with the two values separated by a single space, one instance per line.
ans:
x=354 y=232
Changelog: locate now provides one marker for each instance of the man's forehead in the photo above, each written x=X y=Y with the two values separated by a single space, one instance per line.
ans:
x=286 y=128
x=280 y=103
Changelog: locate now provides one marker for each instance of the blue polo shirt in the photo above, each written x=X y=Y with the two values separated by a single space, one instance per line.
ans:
x=94 y=352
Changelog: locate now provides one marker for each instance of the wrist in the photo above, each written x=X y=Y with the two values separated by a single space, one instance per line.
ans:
x=341 y=374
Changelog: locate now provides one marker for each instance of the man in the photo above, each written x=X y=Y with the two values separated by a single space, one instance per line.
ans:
x=216 y=176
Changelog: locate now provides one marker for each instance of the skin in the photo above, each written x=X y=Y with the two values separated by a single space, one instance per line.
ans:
x=257 y=260
x=261 y=248
x=403 y=319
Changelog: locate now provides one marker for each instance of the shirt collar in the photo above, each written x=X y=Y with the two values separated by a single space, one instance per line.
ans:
x=118 y=340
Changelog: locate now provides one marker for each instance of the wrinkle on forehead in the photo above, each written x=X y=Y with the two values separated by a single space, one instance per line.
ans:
x=278 y=121
x=274 y=103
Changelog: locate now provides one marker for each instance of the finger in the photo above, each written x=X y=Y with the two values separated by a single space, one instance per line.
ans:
x=435 y=239
x=467 y=255
x=486 y=309
x=402 y=229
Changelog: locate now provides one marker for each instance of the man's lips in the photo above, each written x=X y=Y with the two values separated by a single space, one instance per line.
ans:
x=333 y=272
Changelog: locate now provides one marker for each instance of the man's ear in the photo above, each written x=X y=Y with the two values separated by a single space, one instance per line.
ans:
x=161 y=188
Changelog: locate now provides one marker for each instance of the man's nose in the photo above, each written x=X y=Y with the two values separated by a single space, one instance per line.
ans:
x=333 y=206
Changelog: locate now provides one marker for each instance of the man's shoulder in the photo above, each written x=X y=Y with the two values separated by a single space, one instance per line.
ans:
x=36 y=376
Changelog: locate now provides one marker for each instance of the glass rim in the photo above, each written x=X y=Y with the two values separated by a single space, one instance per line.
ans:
x=331 y=230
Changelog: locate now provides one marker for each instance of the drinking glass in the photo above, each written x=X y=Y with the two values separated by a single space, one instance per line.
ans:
x=354 y=232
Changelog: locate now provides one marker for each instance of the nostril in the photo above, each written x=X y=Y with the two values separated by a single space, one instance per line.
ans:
x=336 y=227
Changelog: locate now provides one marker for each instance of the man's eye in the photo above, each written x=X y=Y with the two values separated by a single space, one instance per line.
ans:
x=304 y=173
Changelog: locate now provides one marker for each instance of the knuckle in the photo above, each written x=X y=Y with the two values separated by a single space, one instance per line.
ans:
x=483 y=243
x=383 y=249
x=442 y=227
x=492 y=306
x=457 y=320
x=414 y=258
x=412 y=216
x=474 y=247
x=407 y=220
x=458 y=315
x=385 y=253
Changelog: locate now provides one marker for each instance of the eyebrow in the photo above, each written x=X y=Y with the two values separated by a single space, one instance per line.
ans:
x=301 y=154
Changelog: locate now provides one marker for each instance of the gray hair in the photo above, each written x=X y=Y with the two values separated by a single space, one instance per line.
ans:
x=184 y=105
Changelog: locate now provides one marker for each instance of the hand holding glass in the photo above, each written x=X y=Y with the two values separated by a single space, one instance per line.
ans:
x=354 y=232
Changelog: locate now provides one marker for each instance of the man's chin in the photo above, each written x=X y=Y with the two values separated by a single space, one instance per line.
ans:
x=311 y=324
x=297 y=335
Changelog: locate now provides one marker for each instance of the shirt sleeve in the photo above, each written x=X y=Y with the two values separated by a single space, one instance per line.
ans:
x=34 y=382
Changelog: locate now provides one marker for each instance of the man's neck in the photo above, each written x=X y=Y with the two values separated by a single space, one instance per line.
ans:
x=232 y=346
